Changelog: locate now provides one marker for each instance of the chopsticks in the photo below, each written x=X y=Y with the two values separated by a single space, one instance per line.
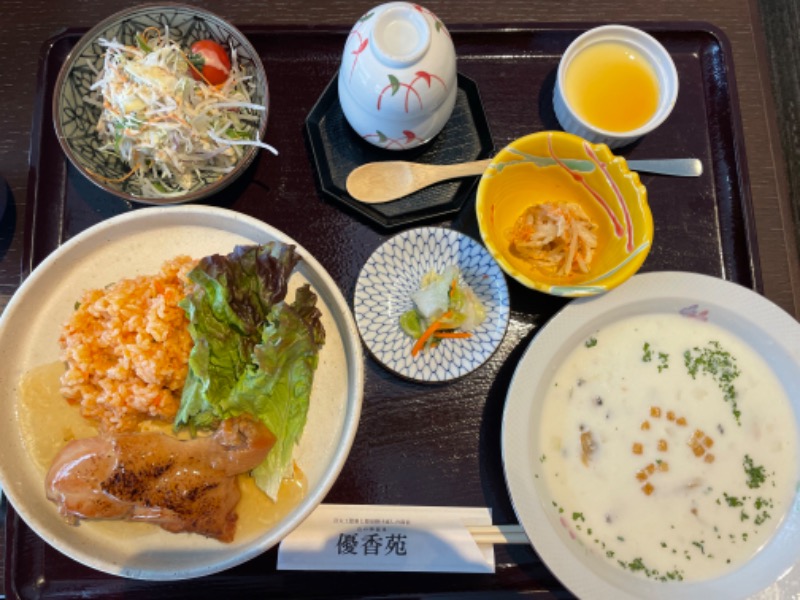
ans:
x=499 y=534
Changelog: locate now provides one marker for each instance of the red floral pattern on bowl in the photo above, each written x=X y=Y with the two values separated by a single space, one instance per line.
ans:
x=397 y=80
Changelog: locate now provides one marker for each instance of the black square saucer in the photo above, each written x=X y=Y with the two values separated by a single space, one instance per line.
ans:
x=337 y=149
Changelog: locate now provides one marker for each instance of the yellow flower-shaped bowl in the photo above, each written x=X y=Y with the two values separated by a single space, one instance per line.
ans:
x=558 y=167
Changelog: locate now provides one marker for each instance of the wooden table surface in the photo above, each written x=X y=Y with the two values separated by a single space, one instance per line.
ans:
x=27 y=24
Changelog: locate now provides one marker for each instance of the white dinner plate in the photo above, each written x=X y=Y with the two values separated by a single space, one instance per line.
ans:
x=137 y=243
x=771 y=332
x=395 y=271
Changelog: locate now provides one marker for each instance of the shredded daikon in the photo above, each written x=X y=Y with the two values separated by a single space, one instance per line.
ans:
x=174 y=132
x=555 y=237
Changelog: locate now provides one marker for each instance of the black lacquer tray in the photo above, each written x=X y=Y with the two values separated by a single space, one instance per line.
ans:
x=416 y=444
x=337 y=150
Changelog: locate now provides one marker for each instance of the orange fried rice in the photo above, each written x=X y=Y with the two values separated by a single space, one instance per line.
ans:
x=126 y=349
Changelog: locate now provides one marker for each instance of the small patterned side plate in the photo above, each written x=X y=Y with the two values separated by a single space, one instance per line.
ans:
x=394 y=272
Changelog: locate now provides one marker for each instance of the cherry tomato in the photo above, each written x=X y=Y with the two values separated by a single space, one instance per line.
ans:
x=211 y=60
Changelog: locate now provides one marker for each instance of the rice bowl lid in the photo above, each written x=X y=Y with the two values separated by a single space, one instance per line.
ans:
x=399 y=62
x=397 y=80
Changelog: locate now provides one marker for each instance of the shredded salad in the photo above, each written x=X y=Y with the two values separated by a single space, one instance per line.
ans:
x=175 y=133
x=555 y=237
x=443 y=308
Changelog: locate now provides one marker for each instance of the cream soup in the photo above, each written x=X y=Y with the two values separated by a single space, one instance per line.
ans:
x=669 y=447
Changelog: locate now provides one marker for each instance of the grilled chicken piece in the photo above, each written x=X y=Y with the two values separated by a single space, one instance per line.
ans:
x=180 y=485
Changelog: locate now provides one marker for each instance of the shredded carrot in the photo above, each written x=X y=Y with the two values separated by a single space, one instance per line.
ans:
x=114 y=180
x=196 y=70
x=557 y=237
x=426 y=335
x=452 y=334
x=149 y=30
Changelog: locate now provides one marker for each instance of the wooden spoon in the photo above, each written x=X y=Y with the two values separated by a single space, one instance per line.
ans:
x=378 y=182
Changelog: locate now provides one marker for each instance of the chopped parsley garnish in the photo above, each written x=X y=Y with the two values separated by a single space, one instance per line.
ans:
x=647 y=356
x=591 y=342
x=732 y=501
x=755 y=474
x=714 y=361
x=636 y=564
x=699 y=545
x=743 y=516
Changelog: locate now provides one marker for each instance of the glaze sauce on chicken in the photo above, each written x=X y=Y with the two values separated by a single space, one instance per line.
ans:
x=49 y=424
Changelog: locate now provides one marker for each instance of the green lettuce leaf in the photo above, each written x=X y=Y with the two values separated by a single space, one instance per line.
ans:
x=253 y=352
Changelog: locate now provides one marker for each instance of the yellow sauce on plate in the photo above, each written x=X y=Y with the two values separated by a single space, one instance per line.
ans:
x=48 y=422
